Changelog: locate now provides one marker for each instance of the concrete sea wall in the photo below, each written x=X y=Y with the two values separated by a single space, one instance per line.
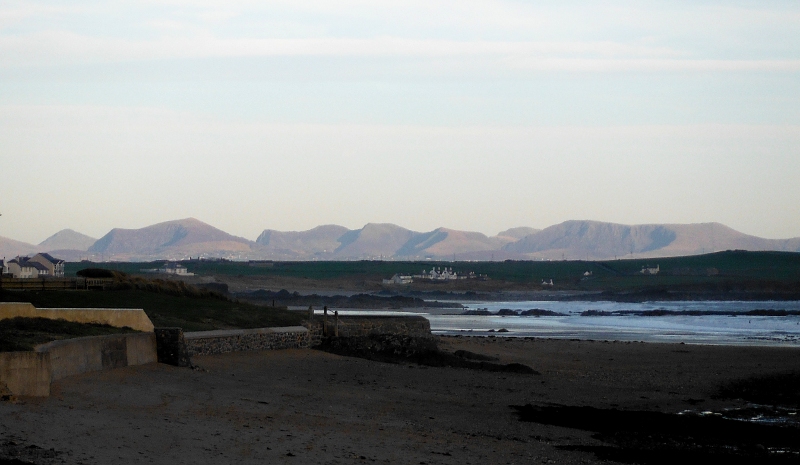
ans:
x=30 y=373
x=25 y=374
x=120 y=317
x=81 y=355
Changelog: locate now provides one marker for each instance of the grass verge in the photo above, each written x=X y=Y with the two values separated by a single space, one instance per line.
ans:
x=189 y=313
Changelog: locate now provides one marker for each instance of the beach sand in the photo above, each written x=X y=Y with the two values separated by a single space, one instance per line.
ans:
x=307 y=406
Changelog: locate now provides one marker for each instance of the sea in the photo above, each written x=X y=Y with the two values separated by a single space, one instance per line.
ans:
x=755 y=323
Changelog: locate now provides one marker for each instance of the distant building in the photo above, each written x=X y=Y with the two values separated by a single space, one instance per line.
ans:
x=438 y=274
x=54 y=266
x=21 y=268
x=650 y=270
x=170 y=268
x=398 y=279
x=547 y=283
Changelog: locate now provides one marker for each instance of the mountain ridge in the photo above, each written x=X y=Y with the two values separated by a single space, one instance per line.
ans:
x=571 y=240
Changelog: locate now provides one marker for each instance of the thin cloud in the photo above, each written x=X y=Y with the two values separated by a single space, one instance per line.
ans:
x=53 y=48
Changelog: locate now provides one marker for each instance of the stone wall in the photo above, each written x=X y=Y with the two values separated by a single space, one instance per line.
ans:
x=352 y=326
x=236 y=340
x=172 y=347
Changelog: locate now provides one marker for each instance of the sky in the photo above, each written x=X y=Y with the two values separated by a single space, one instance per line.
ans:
x=471 y=115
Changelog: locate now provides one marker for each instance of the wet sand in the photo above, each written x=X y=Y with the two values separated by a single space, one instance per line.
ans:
x=307 y=406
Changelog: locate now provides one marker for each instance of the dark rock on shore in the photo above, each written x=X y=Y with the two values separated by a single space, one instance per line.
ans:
x=478 y=312
x=393 y=348
x=540 y=312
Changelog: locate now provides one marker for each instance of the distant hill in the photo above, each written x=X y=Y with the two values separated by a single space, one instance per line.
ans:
x=67 y=239
x=517 y=233
x=171 y=240
x=319 y=242
x=378 y=240
x=595 y=240
x=374 y=240
x=445 y=243
x=9 y=248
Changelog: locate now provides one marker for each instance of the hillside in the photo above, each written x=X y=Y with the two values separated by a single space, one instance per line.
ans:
x=9 y=248
x=374 y=240
x=67 y=239
x=596 y=240
x=292 y=245
x=446 y=243
x=171 y=239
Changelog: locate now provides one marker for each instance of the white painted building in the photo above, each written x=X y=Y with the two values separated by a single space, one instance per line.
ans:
x=398 y=279
x=650 y=270
x=170 y=268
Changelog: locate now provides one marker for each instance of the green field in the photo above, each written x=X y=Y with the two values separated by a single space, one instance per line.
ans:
x=739 y=268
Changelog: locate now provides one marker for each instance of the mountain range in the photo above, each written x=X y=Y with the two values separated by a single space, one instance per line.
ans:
x=584 y=240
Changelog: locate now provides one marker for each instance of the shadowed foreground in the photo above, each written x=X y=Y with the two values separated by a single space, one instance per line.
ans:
x=307 y=406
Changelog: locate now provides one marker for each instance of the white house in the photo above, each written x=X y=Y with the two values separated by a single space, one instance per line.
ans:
x=398 y=279
x=21 y=268
x=438 y=274
x=170 y=268
x=650 y=270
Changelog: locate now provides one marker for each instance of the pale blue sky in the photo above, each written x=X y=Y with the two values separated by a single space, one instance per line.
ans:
x=476 y=115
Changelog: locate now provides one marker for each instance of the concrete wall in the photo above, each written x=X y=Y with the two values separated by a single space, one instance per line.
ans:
x=120 y=317
x=84 y=354
x=220 y=342
x=30 y=373
x=25 y=374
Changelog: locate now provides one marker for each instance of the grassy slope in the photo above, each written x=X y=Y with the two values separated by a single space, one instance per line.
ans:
x=191 y=314
x=22 y=334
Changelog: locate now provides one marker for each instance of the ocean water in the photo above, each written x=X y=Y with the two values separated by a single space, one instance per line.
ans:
x=735 y=327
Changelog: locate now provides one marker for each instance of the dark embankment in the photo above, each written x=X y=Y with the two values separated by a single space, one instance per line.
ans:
x=23 y=334
x=286 y=298
x=391 y=348
x=662 y=438
x=166 y=302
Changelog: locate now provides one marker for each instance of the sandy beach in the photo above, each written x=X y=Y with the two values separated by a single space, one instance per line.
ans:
x=308 y=406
